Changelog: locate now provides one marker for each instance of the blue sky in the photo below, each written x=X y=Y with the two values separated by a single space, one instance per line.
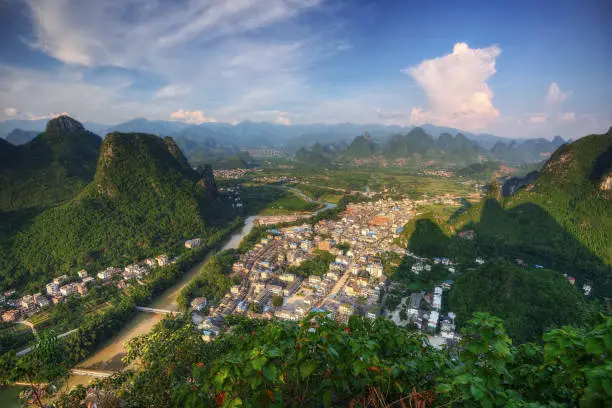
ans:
x=520 y=68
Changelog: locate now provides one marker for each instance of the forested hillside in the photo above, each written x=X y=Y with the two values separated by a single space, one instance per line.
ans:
x=144 y=200
x=51 y=168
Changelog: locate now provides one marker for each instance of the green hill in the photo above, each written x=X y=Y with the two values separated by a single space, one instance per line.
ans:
x=528 y=300
x=361 y=147
x=562 y=220
x=51 y=168
x=143 y=201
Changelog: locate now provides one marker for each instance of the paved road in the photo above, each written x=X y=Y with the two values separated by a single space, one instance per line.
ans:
x=29 y=349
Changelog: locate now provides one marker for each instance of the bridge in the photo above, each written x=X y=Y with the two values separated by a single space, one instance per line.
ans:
x=91 y=373
x=156 y=311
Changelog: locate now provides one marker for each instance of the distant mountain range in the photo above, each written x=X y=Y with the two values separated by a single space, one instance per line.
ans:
x=249 y=133
x=419 y=147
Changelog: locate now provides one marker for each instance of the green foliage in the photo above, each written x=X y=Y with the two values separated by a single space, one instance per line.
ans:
x=528 y=300
x=320 y=362
x=142 y=202
x=317 y=362
x=212 y=282
x=49 y=169
x=318 y=265
x=277 y=301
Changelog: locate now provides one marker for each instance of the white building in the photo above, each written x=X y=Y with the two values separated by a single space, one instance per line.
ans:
x=193 y=243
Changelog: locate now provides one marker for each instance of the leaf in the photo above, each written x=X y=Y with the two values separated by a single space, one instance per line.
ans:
x=273 y=352
x=269 y=371
x=477 y=391
x=444 y=388
x=327 y=397
x=307 y=368
x=258 y=362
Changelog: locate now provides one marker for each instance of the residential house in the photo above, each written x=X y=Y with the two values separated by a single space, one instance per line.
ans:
x=52 y=289
x=193 y=243
x=60 y=279
x=11 y=315
x=82 y=273
x=162 y=260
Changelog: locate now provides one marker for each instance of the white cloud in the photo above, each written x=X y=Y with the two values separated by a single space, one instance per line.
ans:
x=171 y=91
x=567 y=116
x=283 y=118
x=10 y=112
x=456 y=87
x=555 y=96
x=130 y=33
x=538 y=118
x=195 y=117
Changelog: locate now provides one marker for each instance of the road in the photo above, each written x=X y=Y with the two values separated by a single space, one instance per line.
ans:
x=29 y=349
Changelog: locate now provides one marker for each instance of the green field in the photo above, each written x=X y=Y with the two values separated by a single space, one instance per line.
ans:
x=288 y=203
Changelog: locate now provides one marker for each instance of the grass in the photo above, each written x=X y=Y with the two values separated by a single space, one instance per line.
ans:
x=288 y=203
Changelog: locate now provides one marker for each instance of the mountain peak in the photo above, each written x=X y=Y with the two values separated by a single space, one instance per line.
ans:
x=64 y=124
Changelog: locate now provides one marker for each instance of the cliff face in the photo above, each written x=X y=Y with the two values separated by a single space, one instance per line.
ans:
x=207 y=180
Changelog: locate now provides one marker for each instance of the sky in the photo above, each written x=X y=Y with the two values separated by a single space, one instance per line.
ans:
x=511 y=68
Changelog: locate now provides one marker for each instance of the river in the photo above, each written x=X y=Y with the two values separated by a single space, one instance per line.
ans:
x=108 y=357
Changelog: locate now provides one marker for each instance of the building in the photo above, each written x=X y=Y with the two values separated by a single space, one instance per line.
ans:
x=346 y=309
x=287 y=277
x=108 y=273
x=150 y=263
x=467 y=234
x=375 y=269
x=199 y=303
x=82 y=273
x=193 y=243
x=28 y=303
x=41 y=300
x=162 y=260
x=81 y=288
x=11 y=315
x=587 y=289
x=88 y=280
x=68 y=289
x=432 y=322
x=60 y=279
x=447 y=328
x=52 y=289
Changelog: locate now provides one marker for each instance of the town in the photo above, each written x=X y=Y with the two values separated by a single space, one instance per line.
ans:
x=334 y=267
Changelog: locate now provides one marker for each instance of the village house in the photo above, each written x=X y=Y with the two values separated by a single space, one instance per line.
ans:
x=52 y=289
x=199 y=303
x=60 y=279
x=162 y=260
x=82 y=273
x=11 y=315
x=193 y=243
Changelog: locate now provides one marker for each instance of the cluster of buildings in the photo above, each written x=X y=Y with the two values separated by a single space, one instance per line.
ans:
x=60 y=288
x=352 y=283
x=230 y=174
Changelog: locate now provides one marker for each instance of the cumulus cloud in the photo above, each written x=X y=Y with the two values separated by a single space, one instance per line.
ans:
x=10 y=112
x=456 y=87
x=283 y=118
x=187 y=116
x=555 y=96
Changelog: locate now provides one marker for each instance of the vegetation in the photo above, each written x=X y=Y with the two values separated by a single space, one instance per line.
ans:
x=528 y=300
x=318 y=265
x=143 y=201
x=49 y=169
x=212 y=281
x=320 y=362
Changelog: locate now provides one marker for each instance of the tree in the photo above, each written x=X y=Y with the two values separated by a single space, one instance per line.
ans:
x=255 y=307
x=277 y=301
x=44 y=364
